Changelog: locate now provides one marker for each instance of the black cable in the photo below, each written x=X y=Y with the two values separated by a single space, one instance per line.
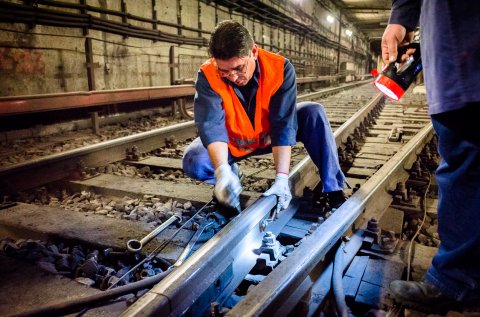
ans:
x=71 y=306
x=162 y=246
x=85 y=303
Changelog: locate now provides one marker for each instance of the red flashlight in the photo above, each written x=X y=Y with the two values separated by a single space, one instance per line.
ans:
x=393 y=81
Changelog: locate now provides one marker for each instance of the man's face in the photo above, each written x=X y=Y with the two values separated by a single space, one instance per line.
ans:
x=238 y=70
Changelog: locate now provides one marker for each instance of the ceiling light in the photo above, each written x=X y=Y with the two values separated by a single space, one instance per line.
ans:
x=348 y=32
x=330 y=19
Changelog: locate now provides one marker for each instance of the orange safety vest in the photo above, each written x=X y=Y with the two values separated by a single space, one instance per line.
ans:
x=243 y=137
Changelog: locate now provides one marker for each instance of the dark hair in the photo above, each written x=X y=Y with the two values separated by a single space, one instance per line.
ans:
x=230 y=39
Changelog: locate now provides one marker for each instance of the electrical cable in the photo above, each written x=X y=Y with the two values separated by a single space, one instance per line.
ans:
x=111 y=293
x=83 y=37
x=397 y=310
x=337 y=282
x=159 y=249
x=74 y=305
x=409 y=253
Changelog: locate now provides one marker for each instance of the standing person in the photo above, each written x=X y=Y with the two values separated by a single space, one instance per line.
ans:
x=245 y=104
x=451 y=62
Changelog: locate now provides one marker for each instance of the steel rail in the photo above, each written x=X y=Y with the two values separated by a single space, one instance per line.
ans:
x=302 y=173
x=327 y=91
x=16 y=105
x=313 y=79
x=83 y=99
x=189 y=281
x=241 y=236
x=267 y=297
x=176 y=294
x=54 y=167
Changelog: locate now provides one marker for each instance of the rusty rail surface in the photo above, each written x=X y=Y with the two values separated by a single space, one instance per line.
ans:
x=84 y=99
x=16 y=105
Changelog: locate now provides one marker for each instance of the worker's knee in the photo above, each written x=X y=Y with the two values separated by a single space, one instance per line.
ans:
x=308 y=111
x=190 y=165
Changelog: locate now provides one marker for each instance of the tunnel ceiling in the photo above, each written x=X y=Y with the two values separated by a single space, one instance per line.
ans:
x=368 y=16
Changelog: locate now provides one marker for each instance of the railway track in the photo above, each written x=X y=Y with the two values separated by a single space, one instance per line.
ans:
x=233 y=255
x=60 y=165
x=221 y=264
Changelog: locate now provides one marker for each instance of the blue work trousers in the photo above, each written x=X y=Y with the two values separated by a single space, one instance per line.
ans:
x=455 y=268
x=313 y=131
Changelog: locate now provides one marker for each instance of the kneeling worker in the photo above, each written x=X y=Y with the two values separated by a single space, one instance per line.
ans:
x=245 y=104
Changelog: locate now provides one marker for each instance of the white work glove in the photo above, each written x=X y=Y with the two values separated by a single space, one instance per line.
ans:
x=281 y=188
x=228 y=187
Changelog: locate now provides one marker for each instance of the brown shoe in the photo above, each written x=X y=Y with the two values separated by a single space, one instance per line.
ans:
x=423 y=296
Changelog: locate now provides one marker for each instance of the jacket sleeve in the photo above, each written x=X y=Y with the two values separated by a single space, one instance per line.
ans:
x=208 y=112
x=406 y=13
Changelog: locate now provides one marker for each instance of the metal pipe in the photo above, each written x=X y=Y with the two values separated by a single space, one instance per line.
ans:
x=134 y=245
x=116 y=13
x=279 y=18
x=52 y=17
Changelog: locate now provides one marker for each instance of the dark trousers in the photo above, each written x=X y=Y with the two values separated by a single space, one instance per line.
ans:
x=455 y=268
x=313 y=131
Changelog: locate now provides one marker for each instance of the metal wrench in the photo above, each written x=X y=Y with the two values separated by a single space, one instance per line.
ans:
x=134 y=245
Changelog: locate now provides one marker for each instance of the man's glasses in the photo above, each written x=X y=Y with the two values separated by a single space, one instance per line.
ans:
x=239 y=70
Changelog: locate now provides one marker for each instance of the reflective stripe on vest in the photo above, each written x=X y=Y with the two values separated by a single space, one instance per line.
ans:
x=243 y=137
